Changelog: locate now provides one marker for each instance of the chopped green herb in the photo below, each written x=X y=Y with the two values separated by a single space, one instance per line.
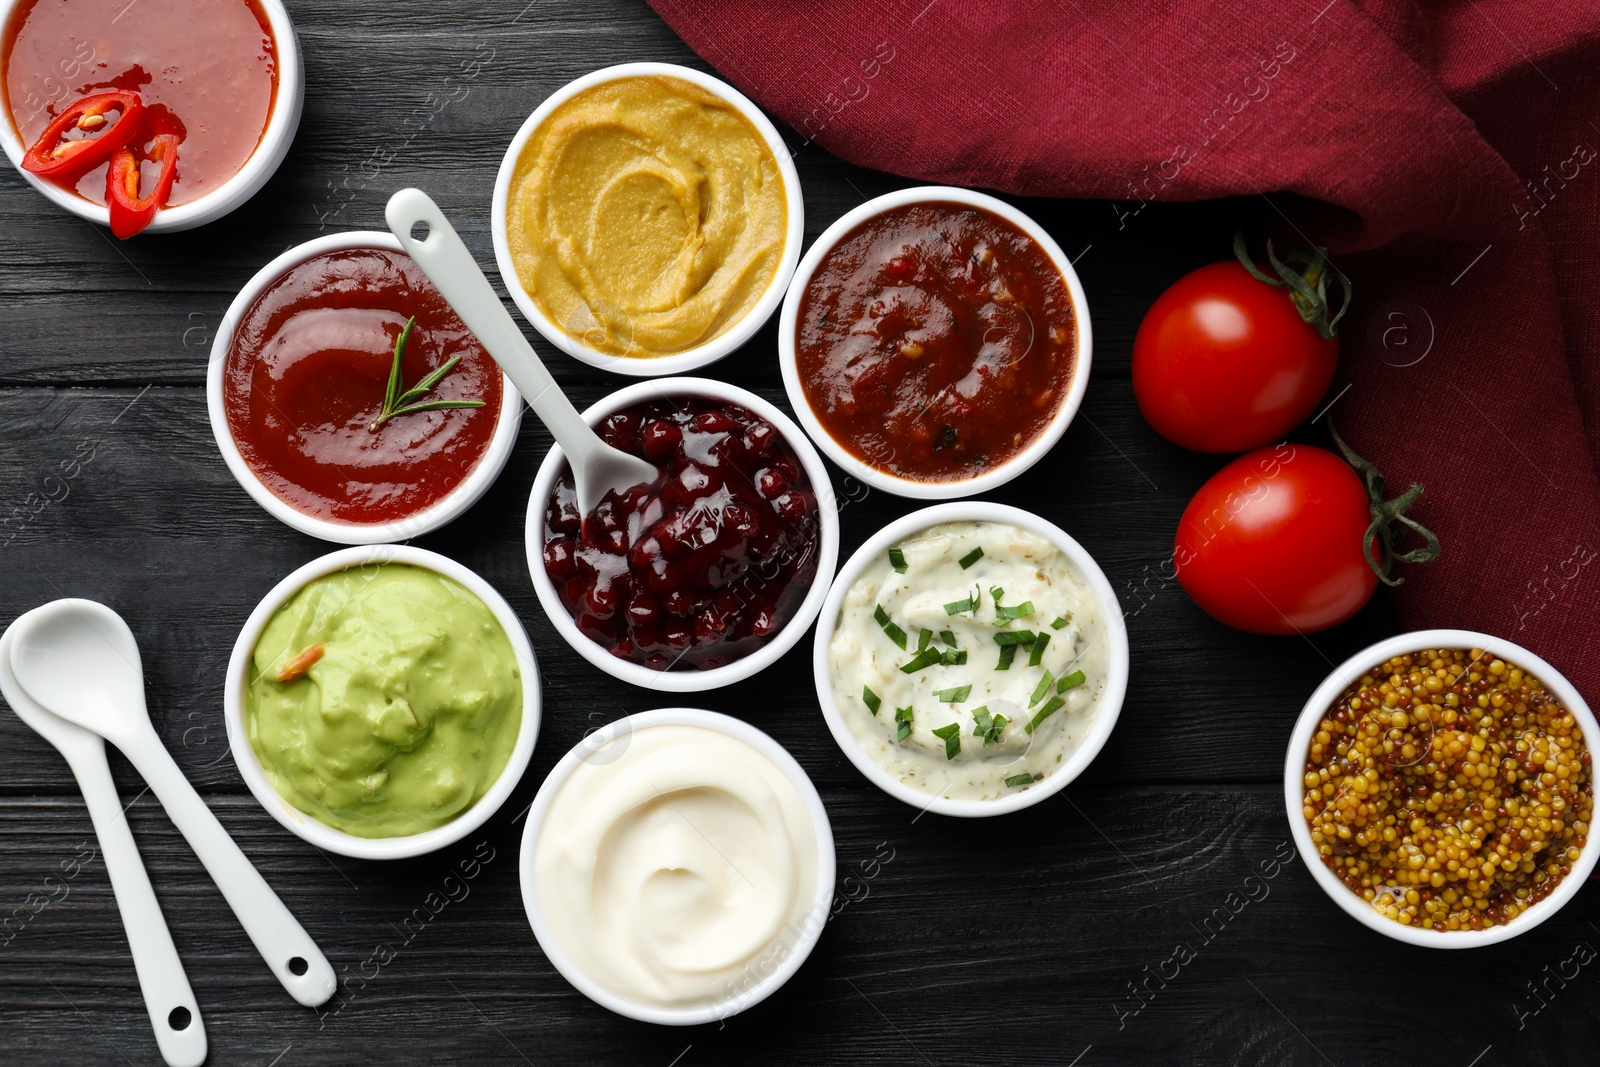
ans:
x=924 y=639
x=926 y=658
x=1007 y=654
x=872 y=700
x=948 y=638
x=1038 y=649
x=897 y=560
x=1051 y=706
x=1071 y=681
x=953 y=659
x=989 y=727
x=953 y=696
x=956 y=607
x=1020 y=779
x=897 y=635
x=1016 y=637
x=1058 y=624
x=971 y=557
x=1041 y=689
x=1003 y=615
x=951 y=735
x=902 y=718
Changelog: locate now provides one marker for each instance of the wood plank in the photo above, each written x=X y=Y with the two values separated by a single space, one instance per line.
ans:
x=155 y=526
x=937 y=953
x=87 y=309
x=153 y=319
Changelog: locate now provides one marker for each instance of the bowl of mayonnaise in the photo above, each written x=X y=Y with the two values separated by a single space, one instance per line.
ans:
x=677 y=866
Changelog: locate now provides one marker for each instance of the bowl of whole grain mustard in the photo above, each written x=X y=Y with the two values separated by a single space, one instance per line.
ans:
x=1441 y=786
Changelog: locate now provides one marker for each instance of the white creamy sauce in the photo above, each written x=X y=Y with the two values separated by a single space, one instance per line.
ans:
x=676 y=866
x=1026 y=568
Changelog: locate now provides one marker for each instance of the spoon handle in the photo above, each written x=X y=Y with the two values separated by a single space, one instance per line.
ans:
x=448 y=263
x=167 y=995
x=289 y=951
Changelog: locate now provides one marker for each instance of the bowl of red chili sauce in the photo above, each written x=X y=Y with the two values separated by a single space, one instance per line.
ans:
x=935 y=342
x=350 y=400
x=709 y=573
x=155 y=116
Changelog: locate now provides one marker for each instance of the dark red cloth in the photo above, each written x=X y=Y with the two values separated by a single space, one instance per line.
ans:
x=1446 y=152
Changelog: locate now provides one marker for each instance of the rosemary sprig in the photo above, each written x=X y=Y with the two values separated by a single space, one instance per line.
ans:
x=403 y=402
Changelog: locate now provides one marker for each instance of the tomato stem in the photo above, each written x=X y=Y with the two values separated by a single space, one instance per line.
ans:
x=1306 y=276
x=1390 y=525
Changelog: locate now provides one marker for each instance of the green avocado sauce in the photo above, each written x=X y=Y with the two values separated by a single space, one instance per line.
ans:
x=407 y=717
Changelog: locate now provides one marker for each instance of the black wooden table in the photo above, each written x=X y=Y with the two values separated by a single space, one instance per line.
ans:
x=1111 y=924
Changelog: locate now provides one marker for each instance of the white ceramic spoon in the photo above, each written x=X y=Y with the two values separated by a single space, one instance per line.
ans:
x=78 y=659
x=167 y=996
x=448 y=263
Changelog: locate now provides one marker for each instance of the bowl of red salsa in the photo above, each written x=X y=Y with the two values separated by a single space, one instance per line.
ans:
x=706 y=575
x=172 y=112
x=935 y=342
x=325 y=426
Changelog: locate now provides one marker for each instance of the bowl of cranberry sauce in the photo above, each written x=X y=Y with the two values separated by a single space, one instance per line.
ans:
x=711 y=572
x=350 y=400
x=935 y=342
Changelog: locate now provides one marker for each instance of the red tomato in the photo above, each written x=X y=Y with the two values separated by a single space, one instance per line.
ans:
x=1272 y=543
x=1224 y=363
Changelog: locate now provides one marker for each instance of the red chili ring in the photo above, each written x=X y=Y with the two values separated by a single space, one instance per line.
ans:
x=129 y=211
x=57 y=159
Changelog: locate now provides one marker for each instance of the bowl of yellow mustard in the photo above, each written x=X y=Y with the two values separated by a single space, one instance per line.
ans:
x=647 y=219
x=382 y=701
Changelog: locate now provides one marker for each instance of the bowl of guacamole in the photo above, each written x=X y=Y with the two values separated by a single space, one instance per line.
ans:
x=382 y=701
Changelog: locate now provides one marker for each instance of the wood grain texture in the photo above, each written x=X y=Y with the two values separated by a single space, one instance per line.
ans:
x=1016 y=940
x=1012 y=940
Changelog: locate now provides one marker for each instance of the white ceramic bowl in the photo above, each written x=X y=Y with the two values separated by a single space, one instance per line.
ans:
x=308 y=827
x=1294 y=784
x=262 y=164
x=738 y=670
x=1109 y=704
x=595 y=747
x=719 y=346
x=893 y=483
x=445 y=509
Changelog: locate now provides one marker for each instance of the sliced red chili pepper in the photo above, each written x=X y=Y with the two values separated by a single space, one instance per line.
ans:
x=62 y=160
x=131 y=212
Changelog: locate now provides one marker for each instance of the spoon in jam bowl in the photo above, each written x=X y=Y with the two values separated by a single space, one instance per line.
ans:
x=78 y=660
x=174 y=1015
x=448 y=263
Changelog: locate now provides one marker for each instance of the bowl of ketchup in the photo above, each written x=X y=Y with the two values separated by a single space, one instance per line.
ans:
x=221 y=80
x=311 y=417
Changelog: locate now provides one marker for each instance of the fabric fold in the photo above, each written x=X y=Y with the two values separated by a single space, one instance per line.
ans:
x=1445 y=152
